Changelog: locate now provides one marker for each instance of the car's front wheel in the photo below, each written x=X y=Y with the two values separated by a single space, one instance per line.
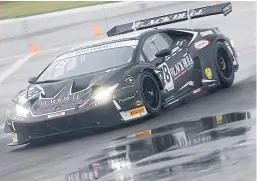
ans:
x=149 y=91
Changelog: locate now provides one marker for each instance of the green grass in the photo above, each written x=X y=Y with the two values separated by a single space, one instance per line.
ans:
x=28 y=8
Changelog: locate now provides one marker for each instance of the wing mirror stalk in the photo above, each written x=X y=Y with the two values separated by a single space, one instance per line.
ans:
x=32 y=80
x=161 y=55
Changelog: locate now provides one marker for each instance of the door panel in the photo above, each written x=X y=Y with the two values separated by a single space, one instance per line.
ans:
x=180 y=66
x=176 y=70
x=151 y=46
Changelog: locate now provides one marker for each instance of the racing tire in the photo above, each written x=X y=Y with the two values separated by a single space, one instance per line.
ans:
x=224 y=65
x=149 y=91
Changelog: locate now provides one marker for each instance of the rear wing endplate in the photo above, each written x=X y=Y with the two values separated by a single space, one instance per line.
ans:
x=224 y=8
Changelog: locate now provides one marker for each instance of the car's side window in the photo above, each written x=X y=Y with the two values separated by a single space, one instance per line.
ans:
x=70 y=65
x=168 y=39
x=149 y=51
x=154 y=44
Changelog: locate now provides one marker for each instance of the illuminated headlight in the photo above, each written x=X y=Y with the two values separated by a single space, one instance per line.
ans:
x=105 y=94
x=21 y=110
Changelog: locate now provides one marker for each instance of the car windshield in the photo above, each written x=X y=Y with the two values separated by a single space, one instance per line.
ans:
x=88 y=60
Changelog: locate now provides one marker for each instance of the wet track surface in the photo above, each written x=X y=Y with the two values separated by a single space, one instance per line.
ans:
x=185 y=143
x=196 y=149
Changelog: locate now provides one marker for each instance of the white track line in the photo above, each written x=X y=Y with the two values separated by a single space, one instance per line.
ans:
x=16 y=56
x=13 y=68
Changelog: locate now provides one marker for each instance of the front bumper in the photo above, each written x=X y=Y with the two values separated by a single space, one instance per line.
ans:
x=100 y=117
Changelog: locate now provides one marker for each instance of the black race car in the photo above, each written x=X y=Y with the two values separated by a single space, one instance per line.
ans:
x=125 y=77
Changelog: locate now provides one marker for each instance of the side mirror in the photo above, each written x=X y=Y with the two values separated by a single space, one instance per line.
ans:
x=31 y=80
x=163 y=53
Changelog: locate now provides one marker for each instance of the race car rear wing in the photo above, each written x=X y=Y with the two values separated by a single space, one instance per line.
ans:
x=224 y=8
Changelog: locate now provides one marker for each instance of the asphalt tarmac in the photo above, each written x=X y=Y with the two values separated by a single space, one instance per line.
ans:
x=55 y=159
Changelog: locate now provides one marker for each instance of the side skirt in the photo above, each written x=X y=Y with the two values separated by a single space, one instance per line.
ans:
x=191 y=93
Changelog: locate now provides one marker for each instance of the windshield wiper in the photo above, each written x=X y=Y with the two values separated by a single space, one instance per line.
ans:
x=47 y=81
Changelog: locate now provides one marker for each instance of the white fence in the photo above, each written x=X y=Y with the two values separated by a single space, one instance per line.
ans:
x=72 y=26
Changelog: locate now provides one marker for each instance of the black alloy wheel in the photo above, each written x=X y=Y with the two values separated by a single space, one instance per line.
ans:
x=149 y=91
x=224 y=65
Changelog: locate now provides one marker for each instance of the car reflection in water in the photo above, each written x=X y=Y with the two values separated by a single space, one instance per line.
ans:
x=184 y=150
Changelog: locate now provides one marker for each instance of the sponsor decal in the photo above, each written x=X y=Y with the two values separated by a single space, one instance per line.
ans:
x=208 y=73
x=179 y=75
x=96 y=48
x=126 y=99
x=61 y=100
x=201 y=44
x=174 y=51
x=205 y=33
x=167 y=58
x=166 y=18
x=136 y=112
x=126 y=87
x=139 y=103
x=130 y=80
x=57 y=114
x=181 y=67
x=196 y=91
x=166 y=76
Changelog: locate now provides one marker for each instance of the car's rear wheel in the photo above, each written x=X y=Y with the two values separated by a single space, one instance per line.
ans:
x=150 y=93
x=224 y=65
